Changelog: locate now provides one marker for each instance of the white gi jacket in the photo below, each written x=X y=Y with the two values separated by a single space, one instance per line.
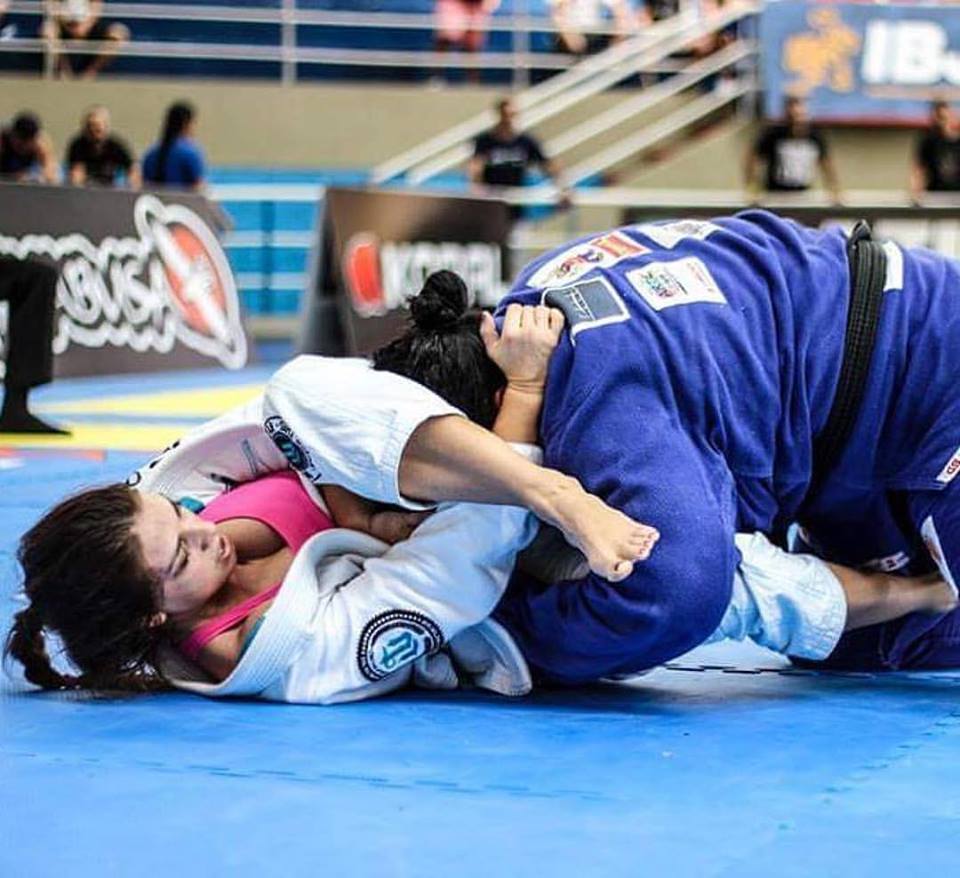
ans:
x=353 y=615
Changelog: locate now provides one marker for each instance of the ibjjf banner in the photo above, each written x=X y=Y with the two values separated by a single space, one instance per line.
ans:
x=860 y=62
x=144 y=281
x=374 y=251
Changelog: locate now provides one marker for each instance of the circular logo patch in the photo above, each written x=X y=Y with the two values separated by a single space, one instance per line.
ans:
x=283 y=437
x=394 y=639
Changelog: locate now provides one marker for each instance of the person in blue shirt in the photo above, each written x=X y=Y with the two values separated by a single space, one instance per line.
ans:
x=699 y=370
x=176 y=160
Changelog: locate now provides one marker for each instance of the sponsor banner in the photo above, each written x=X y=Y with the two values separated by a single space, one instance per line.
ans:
x=376 y=248
x=144 y=282
x=860 y=62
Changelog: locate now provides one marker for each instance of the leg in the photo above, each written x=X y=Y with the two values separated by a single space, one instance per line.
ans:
x=112 y=37
x=30 y=288
x=920 y=640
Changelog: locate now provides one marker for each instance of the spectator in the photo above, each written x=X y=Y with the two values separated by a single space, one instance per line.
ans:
x=791 y=151
x=96 y=156
x=176 y=160
x=7 y=31
x=29 y=287
x=26 y=151
x=936 y=162
x=80 y=20
x=461 y=25
x=579 y=24
x=502 y=155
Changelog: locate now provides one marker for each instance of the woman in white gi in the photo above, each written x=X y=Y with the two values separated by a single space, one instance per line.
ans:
x=123 y=575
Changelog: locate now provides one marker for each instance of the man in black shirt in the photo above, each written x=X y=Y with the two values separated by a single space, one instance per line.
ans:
x=792 y=153
x=936 y=162
x=502 y=155
x=96 y=156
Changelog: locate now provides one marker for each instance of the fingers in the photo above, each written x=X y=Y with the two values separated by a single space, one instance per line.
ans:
x=513 y=319
x=488 y=331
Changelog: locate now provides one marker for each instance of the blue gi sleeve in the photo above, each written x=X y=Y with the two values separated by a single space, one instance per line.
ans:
x=625 y=445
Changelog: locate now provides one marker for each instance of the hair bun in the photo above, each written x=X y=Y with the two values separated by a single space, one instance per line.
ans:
x=441 y=303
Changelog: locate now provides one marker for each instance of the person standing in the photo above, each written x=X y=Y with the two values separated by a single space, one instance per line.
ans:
x=176 y=160
x=936 y=161
x=97 y=156
x=29 y=287
x=791 y=152
x=80 y=21
x=26 y=152
x=503 y=155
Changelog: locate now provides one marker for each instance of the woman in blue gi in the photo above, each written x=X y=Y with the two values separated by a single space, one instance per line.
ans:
x=740 y=375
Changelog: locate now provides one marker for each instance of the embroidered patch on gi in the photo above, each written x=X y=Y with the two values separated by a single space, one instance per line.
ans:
x=682 y=282
x=951 y=470
x=931 y=539
x=394 y=639
x=889 y=563
x=587 y=305
x=670 y=234
x=291 y=447
x=572 y=264
x=894 y=278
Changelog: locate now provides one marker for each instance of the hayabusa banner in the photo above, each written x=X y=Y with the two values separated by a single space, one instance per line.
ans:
x=374 y=251
x=144 y=281
x=860 y=62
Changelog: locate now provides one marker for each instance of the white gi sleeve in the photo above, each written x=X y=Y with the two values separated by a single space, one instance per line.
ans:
x=792 y=604
x=338 y=421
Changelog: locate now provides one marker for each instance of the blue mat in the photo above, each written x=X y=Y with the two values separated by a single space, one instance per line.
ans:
x=726 y=763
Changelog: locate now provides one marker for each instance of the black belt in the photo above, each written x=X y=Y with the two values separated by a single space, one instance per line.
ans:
x=868 y=275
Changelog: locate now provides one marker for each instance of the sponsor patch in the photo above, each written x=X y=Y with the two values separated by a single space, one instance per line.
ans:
x=291 y=447
x=587 y=305
x=931 y=539
x=682 y=282
x=670 y=234
x=894 y=279
x=572 y=264
x=393 y=639
x=951 y=470
x=889 y=563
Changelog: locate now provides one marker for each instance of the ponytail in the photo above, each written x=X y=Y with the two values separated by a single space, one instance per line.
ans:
x=27 y=645
x=179 y=116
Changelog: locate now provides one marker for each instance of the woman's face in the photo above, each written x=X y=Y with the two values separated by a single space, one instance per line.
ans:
x=191 y=559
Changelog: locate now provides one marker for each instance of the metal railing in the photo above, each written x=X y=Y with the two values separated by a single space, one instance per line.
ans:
x=287 y=50
x=591 y=77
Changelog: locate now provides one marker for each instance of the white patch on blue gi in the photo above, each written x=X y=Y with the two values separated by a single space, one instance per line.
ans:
x=928 y=530
x=681 y=282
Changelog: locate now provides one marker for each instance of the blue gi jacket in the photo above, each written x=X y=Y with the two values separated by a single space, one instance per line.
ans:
x=702 y=360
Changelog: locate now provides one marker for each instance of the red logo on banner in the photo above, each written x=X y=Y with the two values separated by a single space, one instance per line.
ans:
x=361 y=270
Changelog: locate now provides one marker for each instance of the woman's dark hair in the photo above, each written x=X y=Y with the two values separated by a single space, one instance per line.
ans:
x=86 y=579
x=179 y=116
x=442 y=349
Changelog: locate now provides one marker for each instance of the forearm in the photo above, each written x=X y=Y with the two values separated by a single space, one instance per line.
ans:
x=450 y=458
x=519 y=417
x=347 y=509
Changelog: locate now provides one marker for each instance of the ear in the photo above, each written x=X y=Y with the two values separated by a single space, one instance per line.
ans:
x=157 y=620
x=498 y=398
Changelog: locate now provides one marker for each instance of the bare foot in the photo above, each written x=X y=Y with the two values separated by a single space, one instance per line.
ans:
x=611 y=541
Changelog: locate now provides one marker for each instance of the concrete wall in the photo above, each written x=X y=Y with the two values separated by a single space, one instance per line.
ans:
x=345 y=126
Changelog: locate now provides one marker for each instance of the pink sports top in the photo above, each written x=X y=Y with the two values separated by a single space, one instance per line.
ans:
x=278 y=501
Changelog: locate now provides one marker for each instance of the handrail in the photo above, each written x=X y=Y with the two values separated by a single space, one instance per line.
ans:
x=276 y=15
x=525 y=100
x=576 y=85
x=650 y=96
x=660 y=130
